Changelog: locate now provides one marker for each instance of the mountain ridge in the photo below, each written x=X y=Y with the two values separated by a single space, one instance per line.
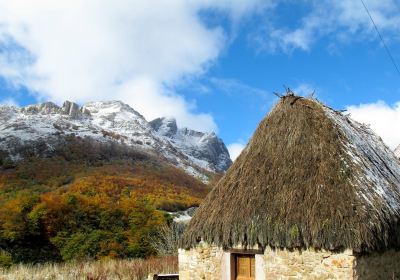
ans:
x=196 y=152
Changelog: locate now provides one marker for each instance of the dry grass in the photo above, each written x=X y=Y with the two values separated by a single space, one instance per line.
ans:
x=100 y=270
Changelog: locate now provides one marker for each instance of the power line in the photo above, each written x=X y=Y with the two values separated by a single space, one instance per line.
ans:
x=381 y=37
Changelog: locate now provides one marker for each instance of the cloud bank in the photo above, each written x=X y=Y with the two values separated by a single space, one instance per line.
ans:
x=139 y=51
x=235 y=149
x=342 y=21
x=382 y=118
x=131 y=50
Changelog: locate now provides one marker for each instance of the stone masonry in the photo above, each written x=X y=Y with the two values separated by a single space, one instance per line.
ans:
x=308 y=264
x=212 y=263
x=202 y=262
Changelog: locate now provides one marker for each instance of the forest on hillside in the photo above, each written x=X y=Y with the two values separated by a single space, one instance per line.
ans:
x=90 y=202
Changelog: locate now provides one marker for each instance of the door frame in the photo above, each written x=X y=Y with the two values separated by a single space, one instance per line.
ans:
x=249 y=262
x=234 y=252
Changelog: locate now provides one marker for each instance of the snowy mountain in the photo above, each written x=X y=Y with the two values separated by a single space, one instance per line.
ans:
x=196 y=152
x=397 y=151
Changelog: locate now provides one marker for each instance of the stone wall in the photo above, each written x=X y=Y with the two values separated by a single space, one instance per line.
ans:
x=378 y=266
x=202 y=262
x=212 y=263
x=308 y=264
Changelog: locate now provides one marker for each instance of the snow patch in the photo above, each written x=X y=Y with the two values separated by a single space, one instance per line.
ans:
x=183 y=216
x=379 y=180
x=195 y=152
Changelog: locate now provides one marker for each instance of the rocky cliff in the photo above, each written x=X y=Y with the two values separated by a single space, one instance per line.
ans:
x=112 y=121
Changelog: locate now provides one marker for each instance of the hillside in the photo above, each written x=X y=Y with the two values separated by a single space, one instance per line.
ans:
x=89 y=202
x=37 y=129
x=96 y=182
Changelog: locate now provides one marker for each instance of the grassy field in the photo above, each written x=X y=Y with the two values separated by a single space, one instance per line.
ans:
x=136 y=269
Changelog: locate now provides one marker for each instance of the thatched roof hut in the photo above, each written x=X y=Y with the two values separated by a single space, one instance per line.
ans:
x=310 y=177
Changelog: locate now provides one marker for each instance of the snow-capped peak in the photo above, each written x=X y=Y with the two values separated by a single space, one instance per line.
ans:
x=72 y=109
x=113 y=121
x=49 y=108
x=165 y=126
x=116 y=115
x=109 y=107
x=42 y=108
x=204 y=148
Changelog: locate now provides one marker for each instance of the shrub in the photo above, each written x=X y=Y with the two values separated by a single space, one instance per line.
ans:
x=166 y=241
x=5 y=259
x=8 y=163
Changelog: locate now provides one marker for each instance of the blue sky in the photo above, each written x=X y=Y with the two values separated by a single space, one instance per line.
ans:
x=213 y=65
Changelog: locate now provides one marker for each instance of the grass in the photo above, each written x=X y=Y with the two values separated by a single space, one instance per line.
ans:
x=136 y=269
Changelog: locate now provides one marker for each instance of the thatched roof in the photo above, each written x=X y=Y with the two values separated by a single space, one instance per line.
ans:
x=309 y=177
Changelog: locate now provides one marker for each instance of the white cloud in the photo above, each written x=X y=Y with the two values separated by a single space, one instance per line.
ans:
x=342 y=21
x=382 y=118
x=304 y=89
x=144 y=95
x=133 y=50
x=235 y=149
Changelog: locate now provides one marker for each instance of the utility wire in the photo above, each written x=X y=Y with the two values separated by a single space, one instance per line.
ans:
x=381 y=37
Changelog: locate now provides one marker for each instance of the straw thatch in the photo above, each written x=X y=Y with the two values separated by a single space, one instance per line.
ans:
x=309 y=177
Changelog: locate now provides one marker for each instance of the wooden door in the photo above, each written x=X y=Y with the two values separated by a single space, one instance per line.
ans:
x=245 y=267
